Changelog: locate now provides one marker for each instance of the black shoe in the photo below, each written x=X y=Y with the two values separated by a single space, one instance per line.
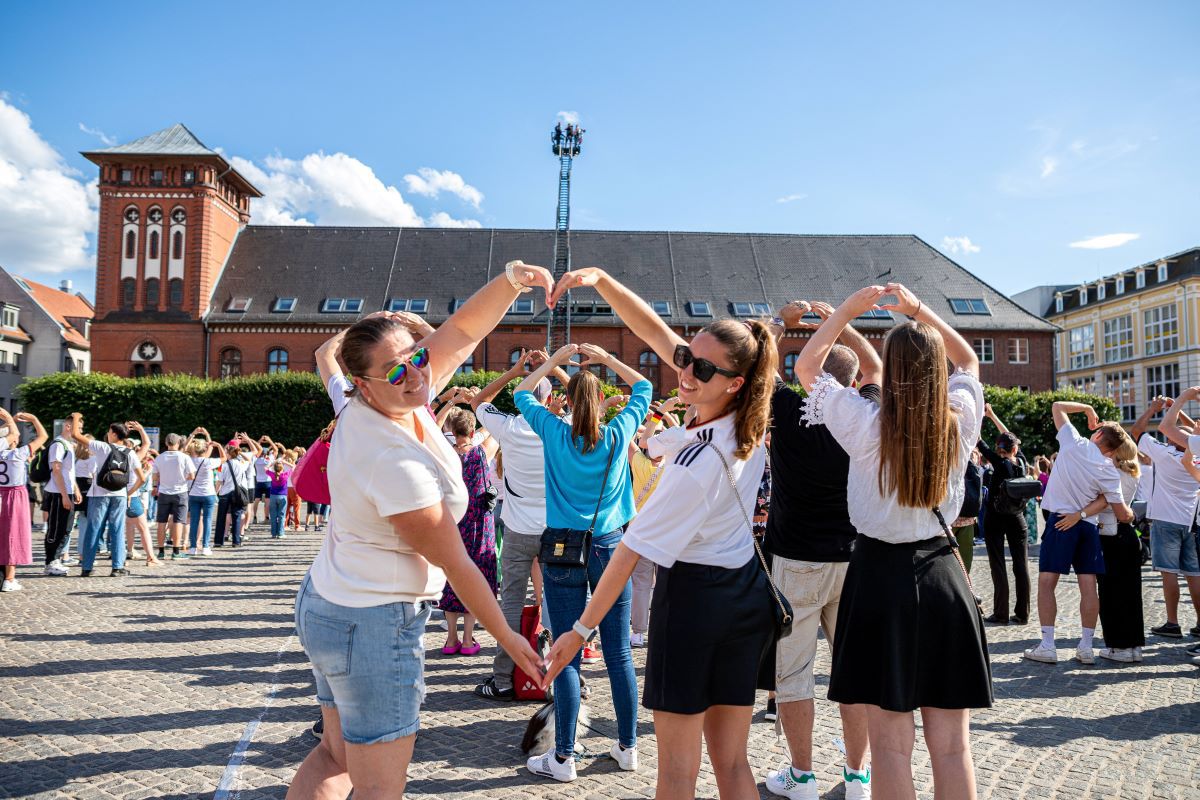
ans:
x=490 y=691
x=118 y=573
x=162 y=553
x=995 y=619
x=1169 y=629
x=318 y=729
x=772 y=713
x=1014 y=620
x=85 y=573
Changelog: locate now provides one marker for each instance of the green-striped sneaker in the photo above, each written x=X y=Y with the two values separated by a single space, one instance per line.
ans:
x=786 y=782
x=858 y=784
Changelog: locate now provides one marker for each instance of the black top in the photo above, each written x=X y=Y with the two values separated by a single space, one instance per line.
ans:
x=1002 y=469
x=808 y=520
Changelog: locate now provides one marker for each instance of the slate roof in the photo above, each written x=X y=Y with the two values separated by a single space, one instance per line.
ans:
x=1183 y=264
x=176 y=140
x=442 y=264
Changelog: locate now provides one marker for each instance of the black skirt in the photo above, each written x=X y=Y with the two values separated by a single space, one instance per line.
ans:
x=909 y=634
x=709 y=632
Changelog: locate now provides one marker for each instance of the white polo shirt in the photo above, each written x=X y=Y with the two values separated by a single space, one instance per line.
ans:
x=1174 y=496
x=1081 y=474
x=524 y=463
x=64 y=454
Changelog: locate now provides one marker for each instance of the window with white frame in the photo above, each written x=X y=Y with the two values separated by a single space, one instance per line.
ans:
x=1058 y=303
x=1081 y=346
x=1083 y=293
x=1120 y=284
x=1018 y=351
x=1118 y=339
x=1139 y=281
x=1161 y=329
x=1085 y=385
x=1054 y=352
x=985 y=349
x=1118 y=387
x=10 y=317
x=1101 y=290
x=1162 y=380
x=1162 y=272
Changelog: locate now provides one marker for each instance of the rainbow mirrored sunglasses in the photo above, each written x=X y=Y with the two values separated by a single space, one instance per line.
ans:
x=398 y=373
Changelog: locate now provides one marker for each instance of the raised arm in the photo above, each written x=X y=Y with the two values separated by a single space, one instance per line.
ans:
x=77 y=428
x=593 y=354
x=327 y=357
x=144 y=447
x=450 y=344
x=812 y=358
x=958 y=349
x=635 y=312
x=41 y=437
x=870 y=365
x=1062 y=409
x=14 y=433
x=1141 y=423
x=489 y=392
x=1169 y=426
x=1189 y=459
x=451 y=403
x=560 y=357
x=991 y=414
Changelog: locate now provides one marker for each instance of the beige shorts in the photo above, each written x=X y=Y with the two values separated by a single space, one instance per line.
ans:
x=814 y=589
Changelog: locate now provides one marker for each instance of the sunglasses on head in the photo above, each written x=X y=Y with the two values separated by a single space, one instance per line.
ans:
x=702 y=368
x=398 y=373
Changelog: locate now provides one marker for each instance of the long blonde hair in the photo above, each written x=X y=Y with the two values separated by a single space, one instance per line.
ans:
x=918 y=431
x=1125 y=455
x=587 y=406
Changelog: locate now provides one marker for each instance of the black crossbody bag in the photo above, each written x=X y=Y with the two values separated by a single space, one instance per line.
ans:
x=570 y=547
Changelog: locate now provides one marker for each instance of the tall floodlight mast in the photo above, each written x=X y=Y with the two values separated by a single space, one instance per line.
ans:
x=565 y=143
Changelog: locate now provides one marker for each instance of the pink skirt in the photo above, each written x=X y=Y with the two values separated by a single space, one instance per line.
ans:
x=16 y=534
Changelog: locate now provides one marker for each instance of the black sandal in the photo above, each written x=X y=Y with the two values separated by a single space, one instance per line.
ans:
x=490 y=691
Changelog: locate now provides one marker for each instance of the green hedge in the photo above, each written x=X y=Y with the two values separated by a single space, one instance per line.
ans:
x=1029 y=416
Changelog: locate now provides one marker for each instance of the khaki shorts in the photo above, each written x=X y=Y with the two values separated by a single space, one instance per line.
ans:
x=814 y=589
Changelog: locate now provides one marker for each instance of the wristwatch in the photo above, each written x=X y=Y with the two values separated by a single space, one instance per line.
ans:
x=778 y=321
x=516 y=284
x=1083 y=515
x=584 y=631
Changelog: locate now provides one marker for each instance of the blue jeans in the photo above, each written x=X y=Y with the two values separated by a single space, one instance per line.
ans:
x=198 y=506
x=277 y=508
x=566 y=591
x=105 y=515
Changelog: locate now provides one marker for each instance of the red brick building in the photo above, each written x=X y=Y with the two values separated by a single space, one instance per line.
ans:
x=185 y=284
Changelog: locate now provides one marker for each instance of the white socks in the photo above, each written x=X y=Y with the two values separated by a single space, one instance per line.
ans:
x=1048 y=637
x=1085 y=640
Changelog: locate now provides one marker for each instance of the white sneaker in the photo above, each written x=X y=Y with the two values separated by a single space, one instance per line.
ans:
x=1137 y=655
x=858 y=787
x=626 y=759
x=1046 y=655
x=193 y=551
x=56 y=568
x=1084 y=655
x=15 y=586
x=208 y=551
x=783 y=783
x=547 y=766
x=1122 y=654
x=637 y=640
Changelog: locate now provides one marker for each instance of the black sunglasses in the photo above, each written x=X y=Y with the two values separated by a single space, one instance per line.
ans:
x=702 y=368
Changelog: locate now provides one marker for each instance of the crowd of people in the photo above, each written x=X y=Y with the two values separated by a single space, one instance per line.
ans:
x=725 y=530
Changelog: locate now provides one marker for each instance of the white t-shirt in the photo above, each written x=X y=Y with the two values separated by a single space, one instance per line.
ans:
x=854 y=422
x=175 y=470
x=1081 y=474
x=693 y=516
x=1174 y=495
x=260 y=468
x=337 y=386
x=236 y=470
x=86 y=468
x=203 y=485
x=64 y=454
x=1107 y=519
x=14 y=466
x=1145 y=483
x=524 y=470
x=100 y=451
x=377 y=469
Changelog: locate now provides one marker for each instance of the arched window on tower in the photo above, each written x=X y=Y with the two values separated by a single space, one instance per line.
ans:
x=175 y=292
x=130 y=244
x=152 y=293
x=128 y=292
x=177 y=245
x=648 y=366
x=153 y=244
x=231 y=362
x=277 y=360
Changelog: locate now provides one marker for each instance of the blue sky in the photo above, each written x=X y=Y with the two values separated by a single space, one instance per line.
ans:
x=1000 y=137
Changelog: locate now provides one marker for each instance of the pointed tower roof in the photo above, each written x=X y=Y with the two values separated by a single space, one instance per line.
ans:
x=176 y=140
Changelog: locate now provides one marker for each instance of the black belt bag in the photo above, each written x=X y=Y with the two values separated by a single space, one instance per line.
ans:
x=570 y=547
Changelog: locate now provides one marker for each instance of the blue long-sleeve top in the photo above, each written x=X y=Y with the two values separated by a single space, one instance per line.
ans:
x=573 y=476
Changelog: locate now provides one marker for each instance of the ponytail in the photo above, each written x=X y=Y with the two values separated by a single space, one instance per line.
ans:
x=751 y=349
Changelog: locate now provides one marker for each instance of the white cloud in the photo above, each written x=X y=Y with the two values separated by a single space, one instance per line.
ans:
x=959 y=245
x=430 y=183
x=568 y=117
x=337 y=189
x=1106 y=242
x=47 y=210
x=790 y=198
x=1049 y=164
x=99 y=134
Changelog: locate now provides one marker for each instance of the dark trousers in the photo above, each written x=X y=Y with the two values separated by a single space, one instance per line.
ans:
x=58 y=524
x=225 y=506
x=1120 y=589
x=1010 y=528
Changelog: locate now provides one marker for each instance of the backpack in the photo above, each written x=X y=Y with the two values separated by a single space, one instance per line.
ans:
x=526 y=687
x=973 y=498
x=1005 y=501
x=40 y=469
x=114 y=475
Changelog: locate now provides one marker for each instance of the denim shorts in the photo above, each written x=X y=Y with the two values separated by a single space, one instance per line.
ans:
x=1173 y=548
x=369 y=663
x=1078 y=547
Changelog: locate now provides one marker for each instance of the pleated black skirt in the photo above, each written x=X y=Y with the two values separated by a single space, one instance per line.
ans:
x=909 y=634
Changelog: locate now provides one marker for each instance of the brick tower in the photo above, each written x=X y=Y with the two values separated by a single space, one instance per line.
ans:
x=170 y=211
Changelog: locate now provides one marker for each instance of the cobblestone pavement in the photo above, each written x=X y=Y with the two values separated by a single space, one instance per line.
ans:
x=175 y=681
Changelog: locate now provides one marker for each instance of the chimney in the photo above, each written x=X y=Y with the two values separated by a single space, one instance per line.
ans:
x=65 y=285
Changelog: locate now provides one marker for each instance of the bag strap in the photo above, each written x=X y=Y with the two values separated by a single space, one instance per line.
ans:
x=787 y=617
x=937 y=512
x=603 y=483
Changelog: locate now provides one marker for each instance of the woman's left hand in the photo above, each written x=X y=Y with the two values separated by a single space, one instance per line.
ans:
x=1068 y=521
x=593 y=354
x=576 y=279
x=562 y=653
x=529 y=275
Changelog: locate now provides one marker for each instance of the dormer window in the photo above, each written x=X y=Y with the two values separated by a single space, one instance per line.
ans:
x=1140 y=280
x=1101 y=290
x=10 y=317
x=1120 y=288
x=698 y=308
x=521 y=306
x=1058 y=303
x=284 y=305
x=1162 y=272
x=743 y=309
x=406 y=304
x=661 y=307
x=341 y=305
x=1083 y=295
x=969 y=305
x=238 y=304
x=456 y=305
